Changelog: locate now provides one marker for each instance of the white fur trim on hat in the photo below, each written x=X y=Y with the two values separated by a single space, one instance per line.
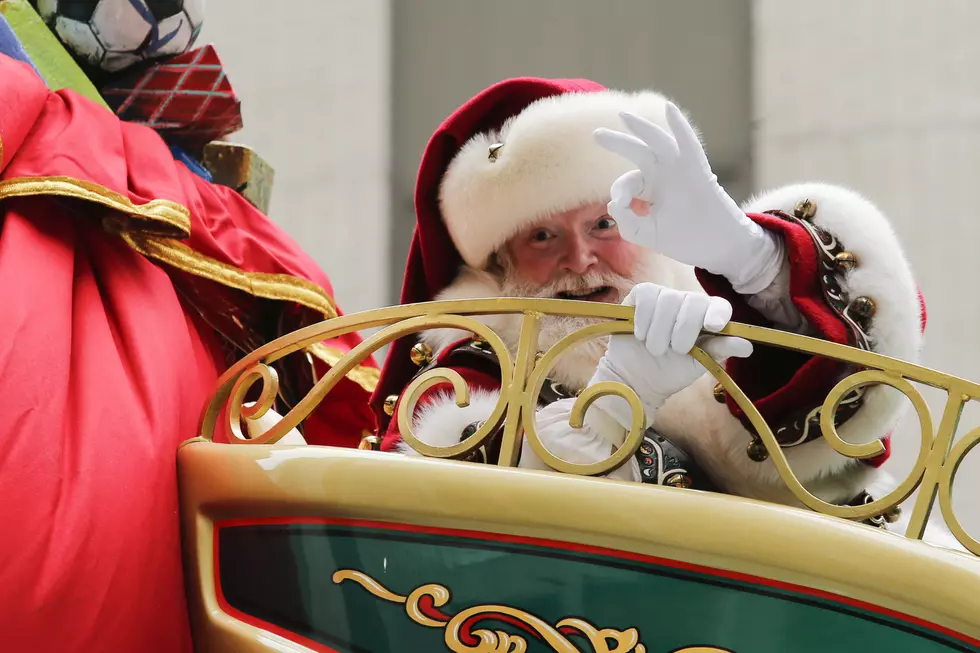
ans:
x=549 y=163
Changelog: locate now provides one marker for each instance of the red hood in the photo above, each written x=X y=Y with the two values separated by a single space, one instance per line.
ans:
x=433 y=260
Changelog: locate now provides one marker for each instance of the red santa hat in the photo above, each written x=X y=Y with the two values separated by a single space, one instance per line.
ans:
x=517 y=151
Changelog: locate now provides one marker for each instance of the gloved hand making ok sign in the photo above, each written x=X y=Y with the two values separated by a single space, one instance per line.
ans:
x=672 y=203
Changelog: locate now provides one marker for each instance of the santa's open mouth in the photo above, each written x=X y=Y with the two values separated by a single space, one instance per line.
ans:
x=600 y=294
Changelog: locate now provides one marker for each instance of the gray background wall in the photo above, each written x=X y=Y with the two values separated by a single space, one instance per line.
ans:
x=341 y=96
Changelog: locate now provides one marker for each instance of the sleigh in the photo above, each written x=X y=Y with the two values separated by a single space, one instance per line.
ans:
x=296 y=548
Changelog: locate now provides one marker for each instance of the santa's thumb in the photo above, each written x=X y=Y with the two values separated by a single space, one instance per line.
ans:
x=722 y=348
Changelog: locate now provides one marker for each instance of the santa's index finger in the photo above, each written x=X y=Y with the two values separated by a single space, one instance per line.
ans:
x=655 y=137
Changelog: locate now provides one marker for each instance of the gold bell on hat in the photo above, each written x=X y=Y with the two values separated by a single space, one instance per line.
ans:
x=494 y=151
x=805 y=209
x=421 y=354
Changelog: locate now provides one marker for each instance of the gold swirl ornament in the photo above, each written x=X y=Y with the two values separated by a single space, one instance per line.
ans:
x=436 y=376
x=602 y=640
x=582 y=403
x=269 y=379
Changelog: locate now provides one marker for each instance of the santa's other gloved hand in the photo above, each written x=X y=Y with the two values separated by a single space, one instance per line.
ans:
x=654 y=361
x=580 y=446
x=673 y=204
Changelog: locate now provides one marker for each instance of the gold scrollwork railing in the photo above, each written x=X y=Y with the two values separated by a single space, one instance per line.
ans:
x=523 y=375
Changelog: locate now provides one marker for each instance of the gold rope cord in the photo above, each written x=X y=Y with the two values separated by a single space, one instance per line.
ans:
x=523 y=375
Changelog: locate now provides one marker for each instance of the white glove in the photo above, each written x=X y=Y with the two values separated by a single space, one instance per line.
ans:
x=582 y=446
x=654 y=361
x=692 y=219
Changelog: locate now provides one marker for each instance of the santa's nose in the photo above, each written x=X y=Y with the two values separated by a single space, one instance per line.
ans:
x=579 y=256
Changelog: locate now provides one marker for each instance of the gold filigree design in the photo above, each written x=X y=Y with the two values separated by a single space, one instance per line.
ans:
x=523 y=375
x=163 y=217
x=460 y=638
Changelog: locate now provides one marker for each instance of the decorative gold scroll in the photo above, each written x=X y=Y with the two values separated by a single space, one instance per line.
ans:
x=523 y=375
x=601 y=640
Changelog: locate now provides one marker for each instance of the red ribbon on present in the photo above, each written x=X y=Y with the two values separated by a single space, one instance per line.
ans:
x=187 y=99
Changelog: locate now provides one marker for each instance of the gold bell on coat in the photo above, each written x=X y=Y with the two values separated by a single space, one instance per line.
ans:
x=421 y=354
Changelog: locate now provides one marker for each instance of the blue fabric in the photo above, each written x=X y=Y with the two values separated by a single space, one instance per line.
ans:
x=180 y=154
x=11 y=46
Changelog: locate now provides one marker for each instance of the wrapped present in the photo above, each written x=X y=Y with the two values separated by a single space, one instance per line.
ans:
x=187 y=99
x=239 y=167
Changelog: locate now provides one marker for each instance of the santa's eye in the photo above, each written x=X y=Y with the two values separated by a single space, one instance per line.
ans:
x=604 y=223
x=540 y=235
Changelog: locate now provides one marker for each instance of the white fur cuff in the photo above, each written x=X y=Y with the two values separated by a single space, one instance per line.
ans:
x=441 y=422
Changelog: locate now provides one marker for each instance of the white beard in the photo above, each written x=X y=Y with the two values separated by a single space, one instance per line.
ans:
x=575 y=367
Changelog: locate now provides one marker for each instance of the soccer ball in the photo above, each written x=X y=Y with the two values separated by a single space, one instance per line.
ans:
x=113 y=34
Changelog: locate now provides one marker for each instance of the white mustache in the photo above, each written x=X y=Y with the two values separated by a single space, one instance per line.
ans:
x=573 y=284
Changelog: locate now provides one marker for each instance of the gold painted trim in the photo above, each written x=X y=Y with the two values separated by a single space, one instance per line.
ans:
x=172 y=214
x=364 y=376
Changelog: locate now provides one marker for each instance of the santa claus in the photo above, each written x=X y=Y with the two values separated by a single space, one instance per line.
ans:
x=532 y=189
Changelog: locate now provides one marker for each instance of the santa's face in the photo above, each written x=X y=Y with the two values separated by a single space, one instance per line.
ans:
x=577 y=254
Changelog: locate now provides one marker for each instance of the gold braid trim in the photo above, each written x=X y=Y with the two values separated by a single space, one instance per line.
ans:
x=167 y=217
x=169 y=220
x=279 y=287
